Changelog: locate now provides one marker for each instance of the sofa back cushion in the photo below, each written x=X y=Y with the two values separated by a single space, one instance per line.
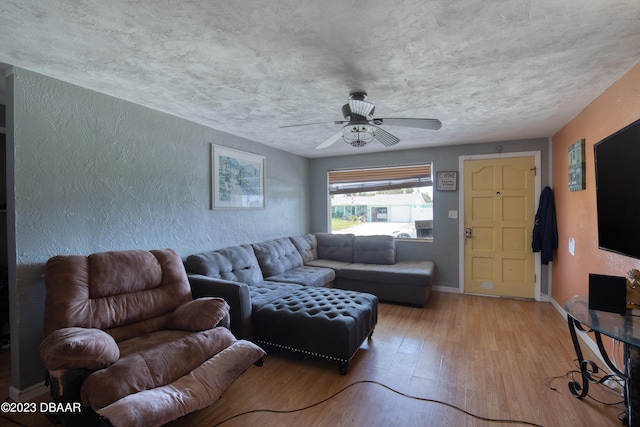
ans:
x=307 y=246
x=337 y=247
x=277 y=256
x=235 y=263
x=124 y=293
x=374 y=250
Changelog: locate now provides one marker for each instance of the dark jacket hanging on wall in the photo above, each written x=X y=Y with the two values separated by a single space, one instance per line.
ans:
x=545 y=229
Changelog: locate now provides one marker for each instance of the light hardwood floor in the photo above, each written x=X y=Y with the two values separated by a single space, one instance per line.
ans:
x=495 y=358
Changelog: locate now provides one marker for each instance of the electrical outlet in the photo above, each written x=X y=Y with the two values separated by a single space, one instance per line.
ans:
x=453 y=215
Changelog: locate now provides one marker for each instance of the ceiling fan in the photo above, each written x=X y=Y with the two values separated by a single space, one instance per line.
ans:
x=360 y=127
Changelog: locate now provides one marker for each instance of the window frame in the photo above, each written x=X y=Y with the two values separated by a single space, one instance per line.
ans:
x=356 y=182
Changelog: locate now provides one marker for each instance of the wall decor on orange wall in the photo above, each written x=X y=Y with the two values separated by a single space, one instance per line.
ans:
x=577 y=178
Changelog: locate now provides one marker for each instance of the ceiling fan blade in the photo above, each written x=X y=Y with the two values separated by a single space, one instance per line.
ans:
x=335 y=122
x=433 y=124
x=385 y=137
x=306 y=124
x=333 y=138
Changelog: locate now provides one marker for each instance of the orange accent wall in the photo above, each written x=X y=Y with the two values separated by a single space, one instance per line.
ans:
x=615 y=108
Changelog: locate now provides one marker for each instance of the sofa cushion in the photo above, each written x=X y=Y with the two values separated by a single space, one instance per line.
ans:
x=337 y=247
x=328 y=263
x=307 y=276
x=264 y=292
x=235 y=263
x=149 y=361
x=307 y=246
x=199 y=314
x=78 y=348
x=406 y=272
x=374 y=249
x=277 y=256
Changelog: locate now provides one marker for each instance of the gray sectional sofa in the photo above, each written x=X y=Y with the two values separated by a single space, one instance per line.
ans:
x=251 y=276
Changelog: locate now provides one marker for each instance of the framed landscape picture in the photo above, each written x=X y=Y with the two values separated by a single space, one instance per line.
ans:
x=237 y=179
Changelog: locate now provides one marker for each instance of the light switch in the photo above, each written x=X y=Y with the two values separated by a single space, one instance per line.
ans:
x=453 y=214
x=572 y=246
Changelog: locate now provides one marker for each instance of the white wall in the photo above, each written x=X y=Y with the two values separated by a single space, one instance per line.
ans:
x=93 y=173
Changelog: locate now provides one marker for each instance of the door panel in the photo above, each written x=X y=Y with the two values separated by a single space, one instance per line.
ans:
x=499 y=208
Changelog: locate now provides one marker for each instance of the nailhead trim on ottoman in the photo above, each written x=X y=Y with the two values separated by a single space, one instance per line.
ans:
x=326 y=322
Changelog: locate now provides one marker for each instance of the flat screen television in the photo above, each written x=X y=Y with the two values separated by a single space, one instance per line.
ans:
x=617 y=165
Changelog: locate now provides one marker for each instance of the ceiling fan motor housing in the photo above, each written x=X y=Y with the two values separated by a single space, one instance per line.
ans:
x=348 y=114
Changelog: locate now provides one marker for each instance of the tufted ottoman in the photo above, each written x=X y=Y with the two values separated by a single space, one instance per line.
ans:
x=326 y=322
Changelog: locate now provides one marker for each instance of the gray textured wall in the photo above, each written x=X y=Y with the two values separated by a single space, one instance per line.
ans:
x=444 y=248
x=93 y=173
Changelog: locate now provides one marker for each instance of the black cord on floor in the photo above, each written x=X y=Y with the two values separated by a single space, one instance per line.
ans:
x=274 y=411
x=570 y=375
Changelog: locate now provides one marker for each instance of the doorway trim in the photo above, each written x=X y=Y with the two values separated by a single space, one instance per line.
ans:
x=538 y=182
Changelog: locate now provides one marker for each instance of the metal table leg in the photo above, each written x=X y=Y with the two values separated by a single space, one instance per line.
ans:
x=589 y=368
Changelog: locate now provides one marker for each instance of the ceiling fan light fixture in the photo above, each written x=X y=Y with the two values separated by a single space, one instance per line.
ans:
x=358 y=135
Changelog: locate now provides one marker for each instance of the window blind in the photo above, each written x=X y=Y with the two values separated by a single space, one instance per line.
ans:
x=375 y=179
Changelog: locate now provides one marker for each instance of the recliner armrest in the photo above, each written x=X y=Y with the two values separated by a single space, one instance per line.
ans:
x=78 y=348
x=236 y=294
x=199 y=314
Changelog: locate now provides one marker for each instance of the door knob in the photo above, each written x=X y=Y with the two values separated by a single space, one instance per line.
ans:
x=467 y=232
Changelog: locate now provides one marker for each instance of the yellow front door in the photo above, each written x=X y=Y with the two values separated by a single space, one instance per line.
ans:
x=499 y=211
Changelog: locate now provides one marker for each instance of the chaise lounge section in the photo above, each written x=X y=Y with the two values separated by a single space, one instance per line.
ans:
x=235 y=274
x=368 y=264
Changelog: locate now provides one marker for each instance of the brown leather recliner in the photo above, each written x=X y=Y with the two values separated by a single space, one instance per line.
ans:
x=123 y=339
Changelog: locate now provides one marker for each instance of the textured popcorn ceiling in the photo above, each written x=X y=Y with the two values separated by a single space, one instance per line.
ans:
x=489 y=70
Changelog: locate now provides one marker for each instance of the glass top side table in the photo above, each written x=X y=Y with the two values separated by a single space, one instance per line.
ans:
x=624 y=328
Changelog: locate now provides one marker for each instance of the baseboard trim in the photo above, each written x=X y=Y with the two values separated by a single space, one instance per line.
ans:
x=582 y=335
x=29 y=393
x=446 y=289
x=543 y=297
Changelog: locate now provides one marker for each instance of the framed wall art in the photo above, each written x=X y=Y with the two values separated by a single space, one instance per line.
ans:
x=447 y=181
x=577 y=179
x=237 y=179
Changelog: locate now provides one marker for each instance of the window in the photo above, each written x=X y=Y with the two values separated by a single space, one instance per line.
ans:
x=393 y=200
